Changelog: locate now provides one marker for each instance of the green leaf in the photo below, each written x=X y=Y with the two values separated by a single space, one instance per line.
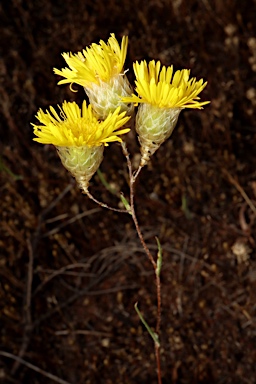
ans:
x=148 y=328
x=125 y=203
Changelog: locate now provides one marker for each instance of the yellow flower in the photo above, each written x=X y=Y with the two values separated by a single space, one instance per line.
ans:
x=164 y=88
x=79 y=137
x=99 y=69
x=76 y=127
x=162 y=94
x=99 y=62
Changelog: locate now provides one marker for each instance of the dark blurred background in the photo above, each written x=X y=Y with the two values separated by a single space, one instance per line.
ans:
x=70 y=271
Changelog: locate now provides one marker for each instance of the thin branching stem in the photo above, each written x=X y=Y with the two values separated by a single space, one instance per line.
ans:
x=103 y=205
x=159 y=303
x=137 y=173
x=150 y=257
x=133 y=213
x=131 y=210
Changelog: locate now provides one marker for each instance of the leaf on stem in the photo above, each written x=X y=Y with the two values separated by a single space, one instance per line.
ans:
x=125 y=203
x=148 y=328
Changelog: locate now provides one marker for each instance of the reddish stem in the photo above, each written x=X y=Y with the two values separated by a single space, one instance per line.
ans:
x=150 y=257
x=103 y=205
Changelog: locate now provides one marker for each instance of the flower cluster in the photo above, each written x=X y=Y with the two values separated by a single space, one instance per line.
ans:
x=81 y=134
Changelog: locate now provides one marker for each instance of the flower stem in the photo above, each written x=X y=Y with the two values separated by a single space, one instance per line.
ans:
x=103 y=205
x=150 y=257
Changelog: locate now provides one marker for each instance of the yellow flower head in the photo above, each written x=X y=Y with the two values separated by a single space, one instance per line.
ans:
x=164 y=88
x=76 y=127
x=99 y=62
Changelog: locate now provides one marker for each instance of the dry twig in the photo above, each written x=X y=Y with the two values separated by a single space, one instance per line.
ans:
x=34 y=367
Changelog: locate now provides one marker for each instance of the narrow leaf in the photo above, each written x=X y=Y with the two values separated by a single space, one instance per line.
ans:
x=148 y=328
x=125 y=203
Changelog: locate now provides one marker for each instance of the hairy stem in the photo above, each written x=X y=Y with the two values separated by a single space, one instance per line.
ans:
x=150 y=257
x=103 y=204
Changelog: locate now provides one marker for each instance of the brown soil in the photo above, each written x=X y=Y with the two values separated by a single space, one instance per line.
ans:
x=70 y=271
